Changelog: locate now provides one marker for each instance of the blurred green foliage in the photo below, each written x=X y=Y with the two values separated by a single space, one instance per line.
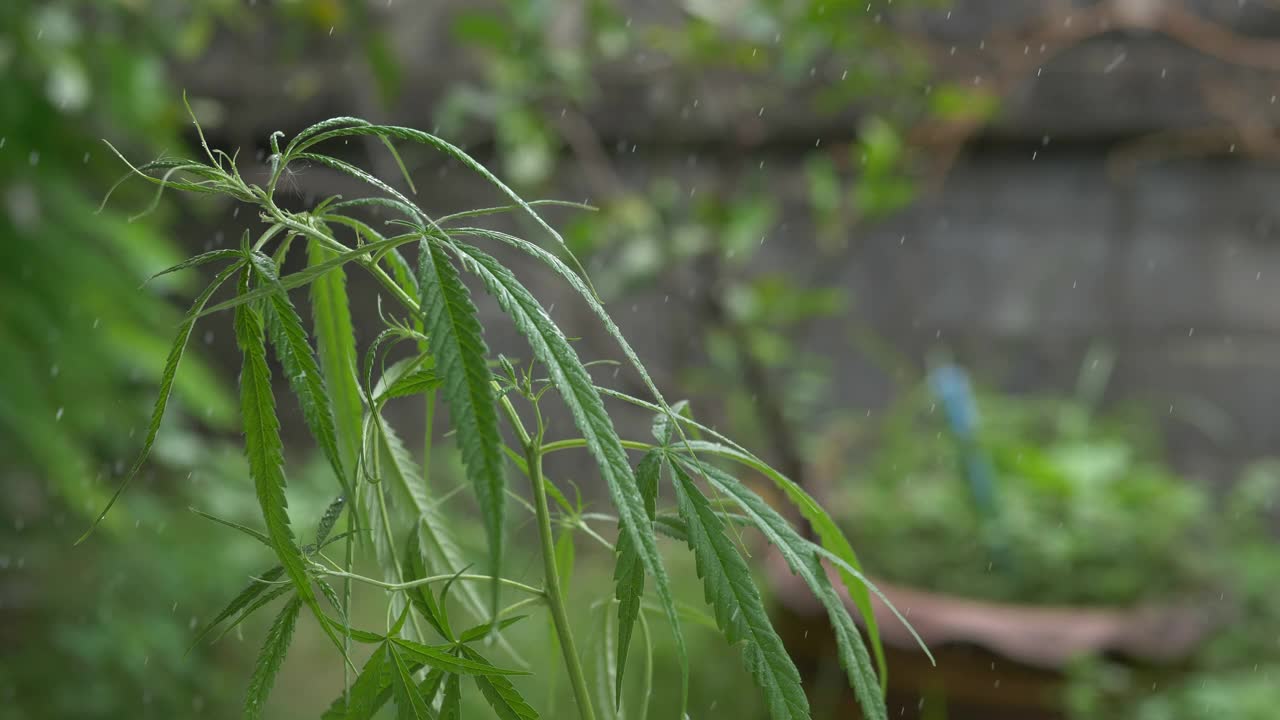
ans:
x=1235 y=673
x=105 y=630
x=81 y=344
x=101 y=631
x=1082 y=493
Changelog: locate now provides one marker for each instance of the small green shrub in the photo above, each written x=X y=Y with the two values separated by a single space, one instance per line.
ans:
x=1083 y=511
x=1234 y=673
x=440 y=616
x=1080 y=494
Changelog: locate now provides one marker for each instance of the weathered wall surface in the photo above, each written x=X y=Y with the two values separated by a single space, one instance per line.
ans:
x=1039 y=241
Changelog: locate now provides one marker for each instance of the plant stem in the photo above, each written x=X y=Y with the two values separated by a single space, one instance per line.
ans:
x=520 y=605
x=431 y=581
x=555 y=597
x=394 y=289
x=581 y=443
x=395 y=560
x=349 y=561
x=427 y=436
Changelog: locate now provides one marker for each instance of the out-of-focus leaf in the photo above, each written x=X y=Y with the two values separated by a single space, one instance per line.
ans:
x=271 y=658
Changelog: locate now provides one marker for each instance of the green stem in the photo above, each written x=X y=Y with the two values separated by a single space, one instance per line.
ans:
x=427 y=435
x=581 y=442
x=346 y=605
x=555 y=597
x=533 y=451
x=520 y=605
x=647 y=688
x=381 y=275
x=429 y=581
x=395 y=560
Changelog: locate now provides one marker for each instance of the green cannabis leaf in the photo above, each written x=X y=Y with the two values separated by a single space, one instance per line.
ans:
x=391 y=511
x=266 y=454
x=271 y=658
x=738 y=609
x=450 y=321
x=629 y=571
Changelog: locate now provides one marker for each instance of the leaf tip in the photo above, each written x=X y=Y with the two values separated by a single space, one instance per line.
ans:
x=85 y=535
x=101 y=516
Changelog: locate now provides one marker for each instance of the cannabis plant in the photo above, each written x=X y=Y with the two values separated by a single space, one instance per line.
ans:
x=425 y=652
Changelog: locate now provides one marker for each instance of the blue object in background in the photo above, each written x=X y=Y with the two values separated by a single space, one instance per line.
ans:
x=950 y=385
